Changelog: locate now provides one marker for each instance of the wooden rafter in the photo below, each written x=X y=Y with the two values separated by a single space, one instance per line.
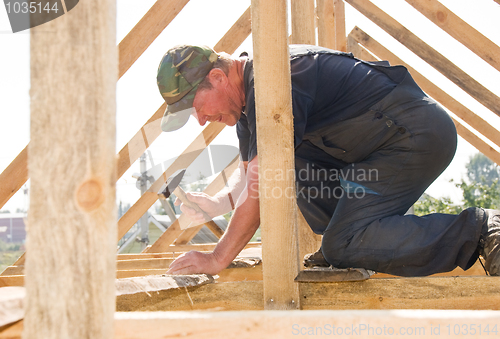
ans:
x=460 y=30
x=427 y=53
x=146 y=31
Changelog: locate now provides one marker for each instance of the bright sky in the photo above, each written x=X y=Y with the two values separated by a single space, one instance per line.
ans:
x=205 y=22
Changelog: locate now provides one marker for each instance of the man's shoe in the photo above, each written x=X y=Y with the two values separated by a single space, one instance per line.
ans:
x=315 y=259
x=489 y=242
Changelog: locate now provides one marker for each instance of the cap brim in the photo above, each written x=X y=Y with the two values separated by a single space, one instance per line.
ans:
x=174 y=120
x=177 y=114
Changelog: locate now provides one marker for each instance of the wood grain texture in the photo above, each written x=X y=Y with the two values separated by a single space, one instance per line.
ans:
x=428 y=54
x=439 y=95
x=339 y=18
x=465 y=293
x=460 y=30
x=278 y=211
x=303 y=28
x=72 y=167
x=326 y=23
x=146 y=31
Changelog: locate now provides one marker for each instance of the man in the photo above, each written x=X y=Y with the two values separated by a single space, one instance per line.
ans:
x=368 y=142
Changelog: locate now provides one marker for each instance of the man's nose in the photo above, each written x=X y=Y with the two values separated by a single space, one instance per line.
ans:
x=202 y=119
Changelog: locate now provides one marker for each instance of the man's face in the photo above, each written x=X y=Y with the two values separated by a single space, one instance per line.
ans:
x=216 y=104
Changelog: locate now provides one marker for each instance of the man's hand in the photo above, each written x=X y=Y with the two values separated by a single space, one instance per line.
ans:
x=207 y=203
x=194 y=262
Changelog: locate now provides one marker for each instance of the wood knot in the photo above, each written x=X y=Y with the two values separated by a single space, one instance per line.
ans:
x=441 y=16
x=89 y=195
x=380 y=298
x=277 y=117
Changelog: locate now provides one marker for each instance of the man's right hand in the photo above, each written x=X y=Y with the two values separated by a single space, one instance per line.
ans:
x=207 y=203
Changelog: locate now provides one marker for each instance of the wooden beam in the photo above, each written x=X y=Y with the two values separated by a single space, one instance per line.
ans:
x=183 y=161
x=339 y=18
x=303 y=29
x=435 y=92
x=146 y=31
x=427 y=53
x=278 y=324
x=464 y=293
x=359 y=52
x=460 y=30
x=72 y=166
x=141 y=267
x=235 y=36
x=278 y=214
x=14 y=177
x=326 y=23
x=304 y=32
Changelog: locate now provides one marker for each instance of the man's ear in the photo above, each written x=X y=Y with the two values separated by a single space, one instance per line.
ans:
x=217 y=77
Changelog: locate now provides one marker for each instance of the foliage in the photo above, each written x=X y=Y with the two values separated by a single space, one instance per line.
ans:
x=481 y=190
x=427 y=205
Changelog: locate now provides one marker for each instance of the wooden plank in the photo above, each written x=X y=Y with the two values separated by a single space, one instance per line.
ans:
x=14 y=177
x=339 y=18
x=143 y=267
x=158 y=283
x=303 y=28
x=235 y=36
x=304 y=32
x=246 y=295
x=72 y=165
x=359 y=52
x=183 y=161
x=326 y=23
x=446 y=100
x=146 y=31
x=278 y=214
x=465 y=293
x=11 y=305
x=437 y=293
x=140 y=142
x=460 y=30
x=427 y=53
x=279 y=324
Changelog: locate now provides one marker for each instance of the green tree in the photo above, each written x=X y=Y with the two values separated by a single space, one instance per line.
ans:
x=427 y=205
x=483 y=188
x=480 y=169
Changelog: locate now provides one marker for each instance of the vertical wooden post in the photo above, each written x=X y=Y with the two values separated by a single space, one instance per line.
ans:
x=70 y=265
x=278 y=207
x=303 y=30
x=340 y=34
x=326 y=24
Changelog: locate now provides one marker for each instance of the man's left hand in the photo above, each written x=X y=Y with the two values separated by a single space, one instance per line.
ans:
x=194 y=262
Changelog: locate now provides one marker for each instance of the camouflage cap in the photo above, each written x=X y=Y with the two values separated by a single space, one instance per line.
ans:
x=180 y=72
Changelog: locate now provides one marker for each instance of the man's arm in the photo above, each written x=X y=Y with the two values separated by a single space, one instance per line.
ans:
x=241 y=228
